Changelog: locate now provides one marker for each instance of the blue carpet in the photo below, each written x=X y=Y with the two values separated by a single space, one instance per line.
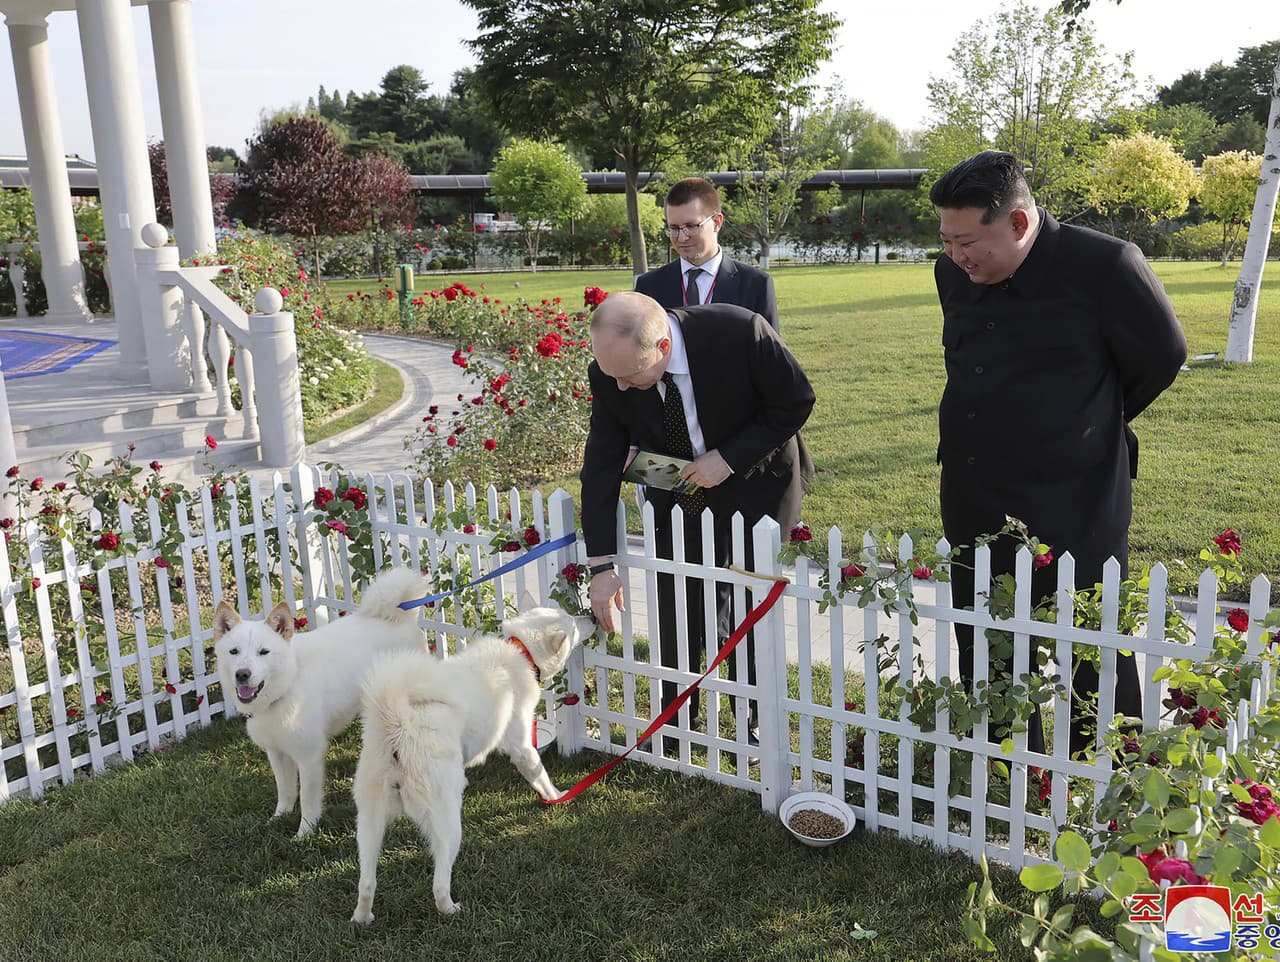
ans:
x=28 y=353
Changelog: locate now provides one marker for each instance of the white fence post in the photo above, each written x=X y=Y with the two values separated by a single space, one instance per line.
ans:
x=570 y=722
x=168 y=361
x=276 y=381
x=771 y=675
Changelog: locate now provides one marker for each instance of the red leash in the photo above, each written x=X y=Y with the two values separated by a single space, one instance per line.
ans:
x=758 y=612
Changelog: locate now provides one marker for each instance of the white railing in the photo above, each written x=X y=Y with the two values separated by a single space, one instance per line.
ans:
x=181 y=347
x=18 y=272
x=129 y=636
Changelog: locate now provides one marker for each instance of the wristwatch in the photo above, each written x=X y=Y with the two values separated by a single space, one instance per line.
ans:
x=603 y=566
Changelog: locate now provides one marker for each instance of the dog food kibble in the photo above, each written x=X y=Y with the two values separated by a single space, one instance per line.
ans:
x=811 y=823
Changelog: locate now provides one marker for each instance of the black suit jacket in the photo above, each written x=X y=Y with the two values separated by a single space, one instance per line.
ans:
x=736 y=283
x=1044 y=372
x=751 y=396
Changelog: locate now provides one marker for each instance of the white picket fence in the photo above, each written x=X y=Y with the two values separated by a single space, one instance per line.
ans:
x=150 y=655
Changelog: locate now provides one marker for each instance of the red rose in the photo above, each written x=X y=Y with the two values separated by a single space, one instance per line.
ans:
x=570 y=700
x=550 y=344
x=458 y=358
x=801 y=532
x=12 y=472
x=851 y=571
x=531 y=536
x=299 y=623
x=156 y=465
x=511 y=546
x=356 y=497
x=103 y=698
x=168 y=686
x=337 y=526
x=468 y=528
x=572 y=573
x=323 y=497
x=37 y=484
x=210 y=443
x=922 y=572
x=1042 y=560
x=851 y=706
x=1228 y=542
x=1174 y=870
x=450 y=294
x=593 y=296
x=35 y=582
x=161 y=563
x=108 y=541
x=1203 y=716
x=60 y=486
x=1238 y=619
x=452 y=442
x=490 y=444
x=434 y=409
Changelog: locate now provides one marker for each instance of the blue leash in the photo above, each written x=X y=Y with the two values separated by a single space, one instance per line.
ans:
x=545 y=548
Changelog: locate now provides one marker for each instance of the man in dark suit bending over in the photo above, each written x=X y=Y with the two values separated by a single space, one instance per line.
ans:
x=712 y=384
x=704 y=274
x=1055 y=337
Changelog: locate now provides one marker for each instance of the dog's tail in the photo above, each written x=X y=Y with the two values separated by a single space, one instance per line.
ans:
x=410 y=716
x=381 y=599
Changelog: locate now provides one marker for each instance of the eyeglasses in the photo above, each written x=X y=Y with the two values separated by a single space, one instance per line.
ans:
x=686 y=230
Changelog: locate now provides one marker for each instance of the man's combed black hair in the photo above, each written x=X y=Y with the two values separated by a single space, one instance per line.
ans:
x=992 y=181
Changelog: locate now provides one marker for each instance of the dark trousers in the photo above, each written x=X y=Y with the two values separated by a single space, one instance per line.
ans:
x=1084 y=679
x=696 y=613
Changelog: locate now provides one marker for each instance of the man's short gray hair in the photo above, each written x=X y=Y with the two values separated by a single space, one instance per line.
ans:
x=628 y=314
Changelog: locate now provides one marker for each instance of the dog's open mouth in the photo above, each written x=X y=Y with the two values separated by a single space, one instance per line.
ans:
x=247 y=693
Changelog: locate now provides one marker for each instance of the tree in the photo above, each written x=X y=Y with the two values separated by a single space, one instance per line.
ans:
x=639 y=80
x=539 y=183
x=300 y=181
x=222 y=186
x=1142 y=176
x=1244 y=306
x=1025 y=83
x=770 y=174
x=1189 y=126
x=1229 y=182
x=1229 y=92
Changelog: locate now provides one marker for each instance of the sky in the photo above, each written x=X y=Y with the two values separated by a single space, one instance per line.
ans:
x=266 y=54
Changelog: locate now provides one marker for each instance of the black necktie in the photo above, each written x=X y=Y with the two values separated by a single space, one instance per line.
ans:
x=691 y=296
x=678 y=443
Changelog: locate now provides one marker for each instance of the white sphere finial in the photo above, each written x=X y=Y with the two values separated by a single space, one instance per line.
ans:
x=155 y=235
x=268 y=301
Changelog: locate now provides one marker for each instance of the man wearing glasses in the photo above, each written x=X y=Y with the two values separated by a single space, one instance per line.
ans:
x=703 y=274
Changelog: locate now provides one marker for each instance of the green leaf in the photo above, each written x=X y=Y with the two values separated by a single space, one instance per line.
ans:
x=1155 y=789
x=1134 y=868
x=1006 y=746
x=1073 y=851
x=1227 y=859
x=1180 y=820
x=1270 y=832
x=1040 y=878
x=1124 y=885
x=1213 y=766
x=1111 y=908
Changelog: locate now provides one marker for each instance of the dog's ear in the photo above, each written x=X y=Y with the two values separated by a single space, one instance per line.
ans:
x=224 y=619
x=559 y=641
x=280 y=620
x=527 y=600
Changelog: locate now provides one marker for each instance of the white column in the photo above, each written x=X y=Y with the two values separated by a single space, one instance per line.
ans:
x=50 y=189
x=184 y=146
x=124 y=173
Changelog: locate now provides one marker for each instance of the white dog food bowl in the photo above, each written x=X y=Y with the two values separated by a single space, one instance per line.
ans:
x=546 y=734
x=819 y=802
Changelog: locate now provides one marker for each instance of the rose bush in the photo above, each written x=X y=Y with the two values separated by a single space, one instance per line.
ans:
x=526 y=420
x=1186 y=805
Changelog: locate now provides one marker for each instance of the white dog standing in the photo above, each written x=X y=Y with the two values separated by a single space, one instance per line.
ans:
x=300 y=692
x=426 y=719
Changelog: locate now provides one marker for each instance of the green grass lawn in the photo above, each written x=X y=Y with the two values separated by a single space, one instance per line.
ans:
x=174 y=858
x=869 y=339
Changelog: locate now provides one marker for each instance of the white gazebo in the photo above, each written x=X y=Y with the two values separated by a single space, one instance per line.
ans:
x=160 y=308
